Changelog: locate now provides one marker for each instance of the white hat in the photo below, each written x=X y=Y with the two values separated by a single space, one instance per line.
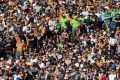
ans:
x=92 y=53
x=104 y=32
x=17 y=61
x=75 y=51
x=106 y=7
x=77 y=64
x=84 y=70
x=2 y=58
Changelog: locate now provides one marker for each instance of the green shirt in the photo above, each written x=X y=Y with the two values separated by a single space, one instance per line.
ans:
x=58 y=26
x=113 y=14
x=93 y=19
x=74 y=24
x=105 y=18
x=89 y=57
x=63 y=22
x=103 y=59
x=81 y=19
x=59 y=45
x=47 y=9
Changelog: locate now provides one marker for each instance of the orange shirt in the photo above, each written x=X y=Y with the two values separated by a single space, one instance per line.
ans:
x=84 y=54
x=118 y=31
x=42 y=30
x=101 y=45
x=61 y=12
x=101 y=64
x=1 y=17
x=94 y=4
x=19 y=47
x=59 y=17
x=50 y=2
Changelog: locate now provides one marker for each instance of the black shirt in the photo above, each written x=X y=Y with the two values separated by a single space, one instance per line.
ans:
x=30 y=37
x=9 y=45
x=117 y=23
x=2 y=45
x=88 y=22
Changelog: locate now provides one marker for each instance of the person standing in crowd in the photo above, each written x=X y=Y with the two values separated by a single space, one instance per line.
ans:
x=9 y=47
x=17 y=76
x=19 y=48
x=113 y=43
x=30 y=42
x=112 y=76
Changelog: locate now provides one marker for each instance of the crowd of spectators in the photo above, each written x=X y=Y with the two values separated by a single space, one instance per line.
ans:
x=59 y=40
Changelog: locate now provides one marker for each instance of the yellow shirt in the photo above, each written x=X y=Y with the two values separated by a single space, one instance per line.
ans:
x=19 y=47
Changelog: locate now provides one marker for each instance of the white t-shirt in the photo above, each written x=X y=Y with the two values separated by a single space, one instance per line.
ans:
x=42 y=65
x=99 y=15
x=113 y=41
x=37 y=8
x=17 y=77
x=24 y=29
x=33 y=60
x=51 y=23
x=59 y=56
x=11 y=28
x=31 y=1
x=2 y=15
x=9 y=61
x=77 y=64
x=112 y=77
x=93 y=39
x=118 y=49
x=85 y=13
